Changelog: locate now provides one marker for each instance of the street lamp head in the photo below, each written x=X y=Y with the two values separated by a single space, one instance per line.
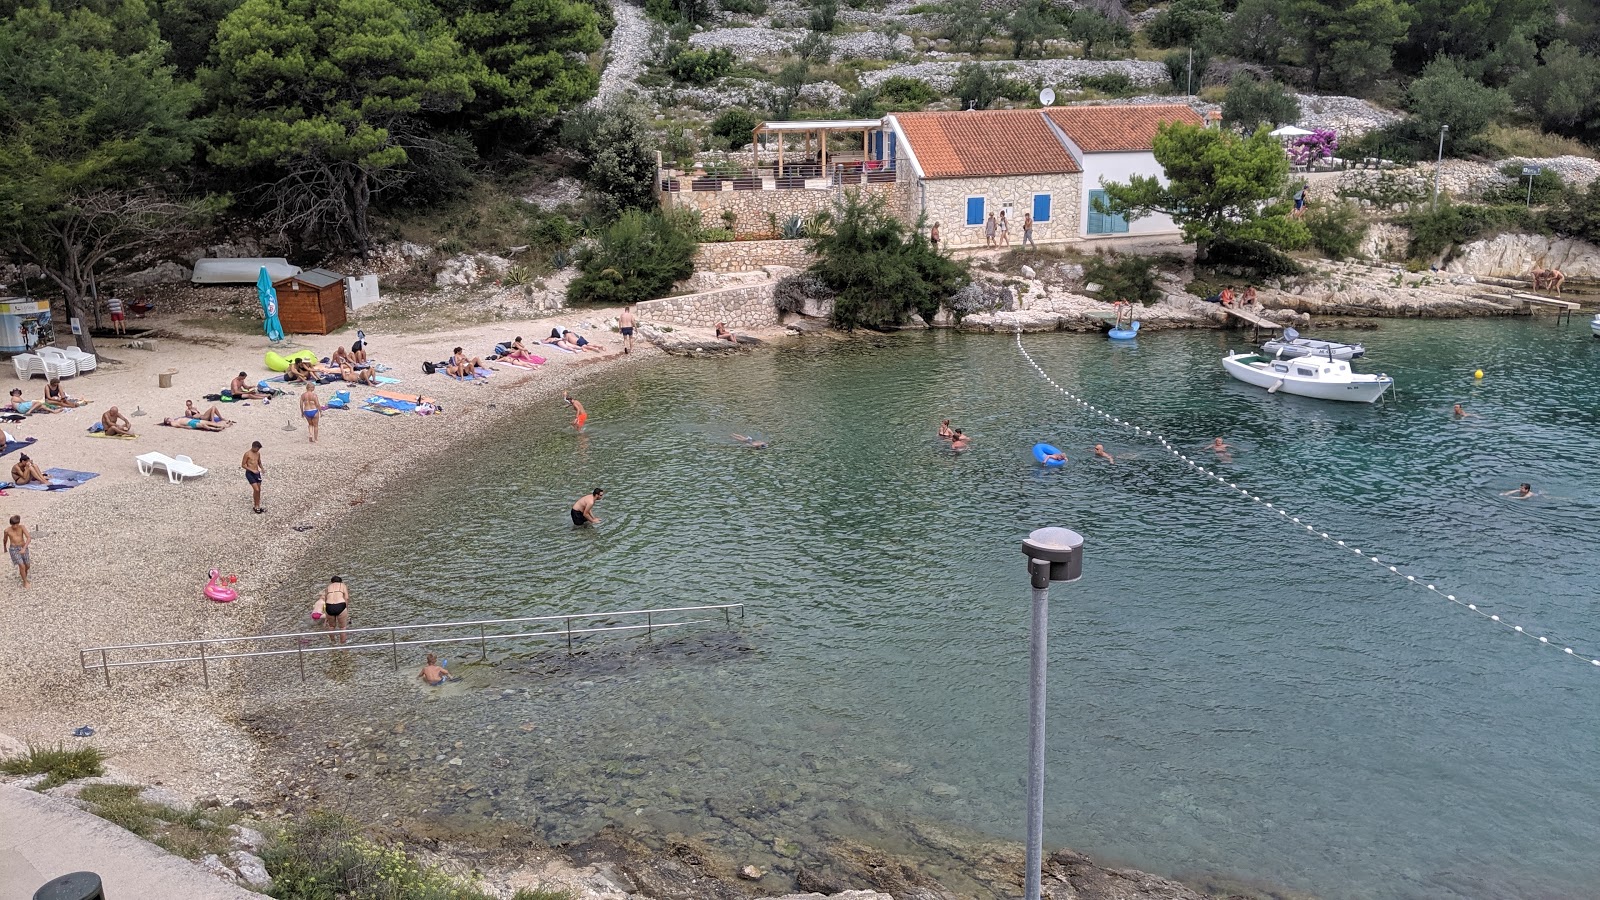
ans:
x=1062 y=548
x=1445 y=128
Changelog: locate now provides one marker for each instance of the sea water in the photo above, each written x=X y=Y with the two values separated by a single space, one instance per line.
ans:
x=1227 y=693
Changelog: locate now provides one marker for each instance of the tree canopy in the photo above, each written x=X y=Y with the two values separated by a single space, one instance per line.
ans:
x=1220 y=186
x=880 y=270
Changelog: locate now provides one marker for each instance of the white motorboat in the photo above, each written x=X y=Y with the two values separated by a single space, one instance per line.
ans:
x=1594 y=324
x=1323 y=379
x=1293 y=346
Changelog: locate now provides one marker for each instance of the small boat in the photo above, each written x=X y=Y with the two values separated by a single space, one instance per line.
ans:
x=1323 y=379
x=1594 y=325
x=1293 y=346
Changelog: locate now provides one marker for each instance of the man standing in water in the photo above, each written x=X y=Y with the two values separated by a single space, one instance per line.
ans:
x=253 y=470
x=17 y=540
x=583 y=511
x=625 y=324
x=336 y=609
x=582 y=415
x=311 y=408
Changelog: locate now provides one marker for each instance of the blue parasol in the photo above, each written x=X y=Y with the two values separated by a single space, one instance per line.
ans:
x=269 y=306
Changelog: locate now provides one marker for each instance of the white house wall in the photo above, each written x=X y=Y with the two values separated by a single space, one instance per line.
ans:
x=944 y=200
x=1112 y=168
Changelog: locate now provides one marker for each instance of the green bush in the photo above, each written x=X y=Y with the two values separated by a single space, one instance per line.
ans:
x=59 y=764
x=1251 y=101
x=1439 y=231
x=1336 y=228
x=638 y=257
x=1188 y=23
x=1577 y=214
x=823 y=15
x=900 y=93
x=698 y=67
x=733 y=127
x=881 y=270
x=1177 y=63
x=1547 y=187
x=977 y=86
x=686 y=12
x=1258 y=257
x=1130 y=278
x=1112 y=84
x=744 y=7
x=616 y=154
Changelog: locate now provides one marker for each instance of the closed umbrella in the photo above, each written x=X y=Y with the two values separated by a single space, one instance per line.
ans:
x=269 y=306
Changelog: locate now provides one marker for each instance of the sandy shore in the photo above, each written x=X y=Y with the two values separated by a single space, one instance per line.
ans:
x=123 y=558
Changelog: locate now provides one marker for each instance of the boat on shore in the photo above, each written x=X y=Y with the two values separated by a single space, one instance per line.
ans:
x=1315 y=377
x=1594 y=325
x=1293 y=346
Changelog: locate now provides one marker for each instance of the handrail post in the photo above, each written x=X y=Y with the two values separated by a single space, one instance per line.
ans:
x=649 y=624
x=727 y=618
x=105 y=667
x=483 y=644
x=205 y=670
x=394 y=651
x=569 y=635
x=300 y=654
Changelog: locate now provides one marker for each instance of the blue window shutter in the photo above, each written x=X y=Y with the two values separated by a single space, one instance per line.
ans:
x=1041 y=207
x=1119 y=224
x=1097 y=219
x=974 y=210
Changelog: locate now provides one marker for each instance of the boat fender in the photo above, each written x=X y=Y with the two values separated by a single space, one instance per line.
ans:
x=1274 y=389
x=1041 y=451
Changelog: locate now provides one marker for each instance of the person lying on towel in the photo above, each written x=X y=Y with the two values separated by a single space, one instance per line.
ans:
x=196 y=424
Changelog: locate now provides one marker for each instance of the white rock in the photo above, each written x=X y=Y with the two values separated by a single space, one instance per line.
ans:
x=247 y=838
x=214 y=864
x=252 y=871
x=1027 y=272
x=165 y=272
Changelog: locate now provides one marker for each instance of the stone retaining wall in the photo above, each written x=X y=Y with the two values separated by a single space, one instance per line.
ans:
x=751 y=256
x=758 y=212
x=739 y=307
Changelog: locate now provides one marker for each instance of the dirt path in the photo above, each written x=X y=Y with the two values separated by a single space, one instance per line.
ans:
x=625 y=61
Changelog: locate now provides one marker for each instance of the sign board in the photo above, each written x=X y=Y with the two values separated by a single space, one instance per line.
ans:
x=77 y=326
x=1532 y=170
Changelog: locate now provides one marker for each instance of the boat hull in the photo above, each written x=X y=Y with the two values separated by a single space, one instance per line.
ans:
x=1281 y=379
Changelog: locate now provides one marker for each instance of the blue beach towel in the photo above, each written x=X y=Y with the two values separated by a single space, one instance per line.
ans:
x=14 y=446
x=60 y=480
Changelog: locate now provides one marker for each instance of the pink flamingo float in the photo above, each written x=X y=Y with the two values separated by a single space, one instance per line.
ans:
x=218 y=590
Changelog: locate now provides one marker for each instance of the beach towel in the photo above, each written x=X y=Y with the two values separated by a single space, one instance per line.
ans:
x=60 y=480
x=396 y=395
x=13 y=446
x=399 y=406
x=564 y=348
x=117 y=437
x=384 y=379
x=383 y=410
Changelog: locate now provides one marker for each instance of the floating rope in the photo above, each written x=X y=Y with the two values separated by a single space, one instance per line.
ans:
x=1220 y=479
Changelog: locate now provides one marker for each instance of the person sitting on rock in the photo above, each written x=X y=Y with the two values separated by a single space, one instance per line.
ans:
x=723 y=334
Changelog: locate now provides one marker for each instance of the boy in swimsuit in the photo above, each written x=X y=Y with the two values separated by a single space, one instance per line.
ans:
x=16 y=541
x=582 y=414
x=26 y=471
x=583 y=510
x=115 y=423
x=253 y=471
x=433 y=673
x=625 y=324
x=241 y=389
x=336 y=609
x=311 y=408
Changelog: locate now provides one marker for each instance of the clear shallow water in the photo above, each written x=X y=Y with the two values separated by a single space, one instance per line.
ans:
x=1227 y=695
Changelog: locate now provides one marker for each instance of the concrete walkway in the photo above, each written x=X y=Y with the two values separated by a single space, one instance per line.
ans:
x=43 y=838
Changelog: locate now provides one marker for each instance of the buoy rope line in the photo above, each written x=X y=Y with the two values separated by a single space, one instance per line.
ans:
x=1311 y=529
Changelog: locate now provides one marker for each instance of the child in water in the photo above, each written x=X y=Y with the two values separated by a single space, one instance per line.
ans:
x=433 y=673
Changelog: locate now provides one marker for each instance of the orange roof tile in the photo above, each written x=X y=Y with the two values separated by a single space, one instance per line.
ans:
x=985 y=142
x=1104 y=129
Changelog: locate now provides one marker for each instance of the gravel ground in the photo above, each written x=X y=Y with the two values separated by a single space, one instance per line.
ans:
x=629 y=43
x=122 y=559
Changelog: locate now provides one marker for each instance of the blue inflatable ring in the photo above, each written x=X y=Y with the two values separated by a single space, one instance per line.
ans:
x=1041 y=451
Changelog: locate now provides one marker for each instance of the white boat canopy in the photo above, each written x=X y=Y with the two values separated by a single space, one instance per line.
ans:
x=241 y=269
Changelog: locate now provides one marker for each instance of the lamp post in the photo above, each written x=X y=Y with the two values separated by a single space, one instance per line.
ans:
x=1054 y=554
x=1438 y=164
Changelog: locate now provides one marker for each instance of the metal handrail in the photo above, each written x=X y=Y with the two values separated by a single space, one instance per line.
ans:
x=105 y=664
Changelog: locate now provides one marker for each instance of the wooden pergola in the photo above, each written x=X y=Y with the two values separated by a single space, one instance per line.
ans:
x=821 y=128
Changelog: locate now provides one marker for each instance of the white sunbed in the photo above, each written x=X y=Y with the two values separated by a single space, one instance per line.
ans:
x=178 y=467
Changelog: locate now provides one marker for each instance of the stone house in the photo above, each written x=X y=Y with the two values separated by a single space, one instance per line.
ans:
x=958 y=167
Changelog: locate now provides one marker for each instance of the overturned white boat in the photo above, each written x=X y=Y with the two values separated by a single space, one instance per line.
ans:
x=1293 y=346
x=1323 y=379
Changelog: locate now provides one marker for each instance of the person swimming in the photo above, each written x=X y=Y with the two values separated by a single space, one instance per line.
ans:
x=960 y=441
x=1521 y=492
x=944 y=430
x=1057 y=456
x=1100 y=451
x=1461 y=413
x=750 y=442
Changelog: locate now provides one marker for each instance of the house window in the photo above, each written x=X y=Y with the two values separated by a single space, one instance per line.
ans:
x=975 y=210
x=1041 y=207
x=1101 y=223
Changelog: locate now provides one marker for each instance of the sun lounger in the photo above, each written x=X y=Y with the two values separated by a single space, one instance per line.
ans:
x=178 y=468
x=29 y=365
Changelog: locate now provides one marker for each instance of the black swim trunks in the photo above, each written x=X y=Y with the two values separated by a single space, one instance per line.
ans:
x=252 y=477
x=334 y=610
x=578 y=517
x=627 y=331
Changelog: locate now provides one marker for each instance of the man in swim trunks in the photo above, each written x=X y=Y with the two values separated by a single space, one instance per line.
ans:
x=1522 y=492
x=960 y=441
x=625 y=324
x=582 y=414
x=241 y=389
x=583 y=511
x=575 y=341
x=750 y=442
x=1100 y=452
x=28 y=407
x=433 y=673
x=253 y=472
x=26 y=471
x=311 y=408
x=16 y=541
x=336 y=609
x=115 y=423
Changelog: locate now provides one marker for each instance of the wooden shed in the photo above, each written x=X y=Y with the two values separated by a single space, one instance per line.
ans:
x=311 y=302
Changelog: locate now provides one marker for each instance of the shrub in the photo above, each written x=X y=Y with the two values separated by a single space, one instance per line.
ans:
x=814 y=48
x=59 y=764
x=1547 y=186
x=734 y=126
x=791 y=294
x=977 y=86
x=1112 y=84
x=1177 y=63
x=685 y=12
x=1577 y=214
x=1093 y=29
x=744 y=7
x=1336 y=228
x=1258 y=257
x=881 y=270
x=616 y=154
x=1187 y=23
x=1251 y=101
x=1130 y=278
x=699 y=67
x=1438 y=231
x=823 y=14
x=638 y=257
x=1447 y=95
x=899 y=93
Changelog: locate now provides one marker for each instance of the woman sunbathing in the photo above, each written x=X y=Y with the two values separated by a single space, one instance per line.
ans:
x=54 y=396
x=519 y=353
x=461 y=366
x=196 y=424
x=357 y=376
x=211 y=415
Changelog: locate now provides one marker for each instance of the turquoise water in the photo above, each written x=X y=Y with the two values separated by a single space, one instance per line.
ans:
x=1227 y=694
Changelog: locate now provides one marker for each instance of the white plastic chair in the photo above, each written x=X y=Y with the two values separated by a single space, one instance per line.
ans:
x=28 y=365
x=56 y=363
x=86 y=362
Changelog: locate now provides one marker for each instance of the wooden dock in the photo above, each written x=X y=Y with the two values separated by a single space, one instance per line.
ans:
x=1256 y=322
x=1563 y=308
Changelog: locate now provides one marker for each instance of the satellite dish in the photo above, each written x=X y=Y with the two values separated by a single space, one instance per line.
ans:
x=1047 y=97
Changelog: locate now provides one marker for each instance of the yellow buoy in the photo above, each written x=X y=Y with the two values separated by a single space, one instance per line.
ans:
x=1478 y=374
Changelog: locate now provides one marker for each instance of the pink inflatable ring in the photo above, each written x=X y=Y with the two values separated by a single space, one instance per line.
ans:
x=218 y=591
